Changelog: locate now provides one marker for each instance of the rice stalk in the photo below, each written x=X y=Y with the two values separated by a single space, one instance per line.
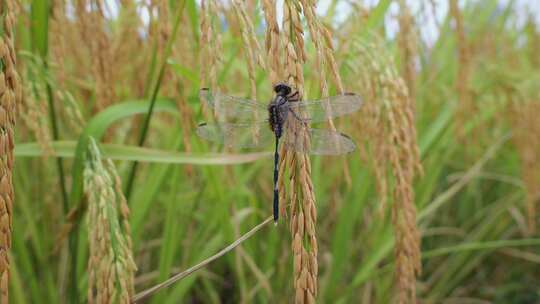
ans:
x=10 y=96
x=128 y=51
x=65 y=47
x=92 y=27
x=391 y=136
x=466 y=106
x=322 y=40
x=324 y=59
x=251 y=45
x=272 y=42
x=163 y=28
x=205 y=39
x=111 y=267
x=59 y=46
x=210 y=60
x=533 y=41
x=526 y=126
x=162 y=32
x=34 y=116
x=407 y=41
x=72 y=113
x=303 y=212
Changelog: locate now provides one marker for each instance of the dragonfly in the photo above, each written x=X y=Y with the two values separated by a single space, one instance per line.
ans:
x=240 y=123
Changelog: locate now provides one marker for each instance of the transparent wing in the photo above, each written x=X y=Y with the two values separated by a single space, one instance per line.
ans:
x=237 y=135
x=233 y=109
x=298 y=137
x=325 y=108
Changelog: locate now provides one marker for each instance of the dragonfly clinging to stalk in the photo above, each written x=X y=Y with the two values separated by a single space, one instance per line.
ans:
x=240 y=124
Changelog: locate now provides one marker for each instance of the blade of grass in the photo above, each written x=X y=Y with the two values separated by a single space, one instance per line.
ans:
x=191 y=7
x=488 y=245
x=40 y=27
x=68 y=149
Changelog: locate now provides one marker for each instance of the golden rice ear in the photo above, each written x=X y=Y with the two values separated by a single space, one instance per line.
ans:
x=408 y=47
x=392 y=140
x=252 y=49
x=10 y=97
x=524 y=118
x=301 y=196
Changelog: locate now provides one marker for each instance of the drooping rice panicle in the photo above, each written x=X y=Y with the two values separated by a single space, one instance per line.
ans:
x=389 y=127
x=10 y=96
x=111 y=267
x=303 y=211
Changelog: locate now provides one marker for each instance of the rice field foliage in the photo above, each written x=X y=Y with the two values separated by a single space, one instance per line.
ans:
x=115 y=193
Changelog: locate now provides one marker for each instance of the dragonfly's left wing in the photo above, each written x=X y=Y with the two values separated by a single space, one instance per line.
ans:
x=326 y=108
x=301 y=138
x=237 y=135
x=233 y=109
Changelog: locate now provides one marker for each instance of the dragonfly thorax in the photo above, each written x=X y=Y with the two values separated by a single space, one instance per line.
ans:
x=277 y=114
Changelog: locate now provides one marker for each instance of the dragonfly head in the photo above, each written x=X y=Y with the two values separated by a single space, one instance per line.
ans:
x=282 y=89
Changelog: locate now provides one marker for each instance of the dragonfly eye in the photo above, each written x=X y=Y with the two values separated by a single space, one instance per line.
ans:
x=282 y=89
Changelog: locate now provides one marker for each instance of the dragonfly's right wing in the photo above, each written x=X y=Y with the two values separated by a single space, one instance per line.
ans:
x=300 y=138
x=326 y=108
x=231 y=109
x=237 y=135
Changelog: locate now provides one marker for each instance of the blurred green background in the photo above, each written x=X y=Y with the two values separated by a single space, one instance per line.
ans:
x=92 y=68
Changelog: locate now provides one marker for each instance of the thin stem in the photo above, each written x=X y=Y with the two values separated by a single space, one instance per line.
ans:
x=185 y=273
x=152 y=101
x=497 y=244
x=55 y=135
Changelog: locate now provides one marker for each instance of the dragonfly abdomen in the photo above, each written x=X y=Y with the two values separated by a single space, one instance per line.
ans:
x=274 y=119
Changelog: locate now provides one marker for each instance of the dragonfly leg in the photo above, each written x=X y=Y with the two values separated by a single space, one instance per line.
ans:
x=294 y=96
x=300 y=119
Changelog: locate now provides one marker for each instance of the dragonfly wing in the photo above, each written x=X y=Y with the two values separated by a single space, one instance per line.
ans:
x=302 y=139
x=233 y=109
x=326 y=108
x=237 y=135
